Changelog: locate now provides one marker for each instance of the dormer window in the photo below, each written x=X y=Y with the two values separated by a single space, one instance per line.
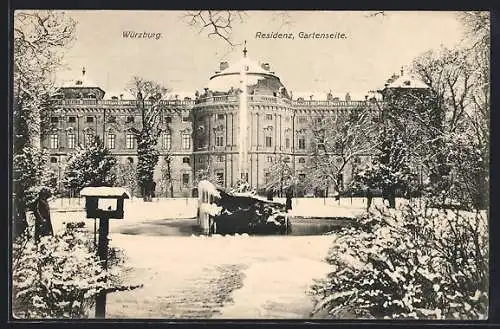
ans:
x=407 y=82
x=79 y=82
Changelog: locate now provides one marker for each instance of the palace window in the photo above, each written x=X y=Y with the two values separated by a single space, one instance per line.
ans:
x=111 y=141
x=220 y=116
x=185 y=180
x=185 y=119
x=266 y=177
x=269 y=141
x=186 y=160
x=112 y=119
x=302 y=120
x=129 y=141
x=54 y=119
x=286 y=160
x=219 y=141
x=302 y=177
x=71 y=119
x=168 y=119
x=269 y=159
x=130 y=160
x=269 y=117
x=302 y=143
x=71 y=141
x=186 y=141
x=302 y=160
x=90 y=119
x=220 y=158
x=53 y=160
x=89 y=138
x=167 y=141
x=54 y=141
x=130 y=119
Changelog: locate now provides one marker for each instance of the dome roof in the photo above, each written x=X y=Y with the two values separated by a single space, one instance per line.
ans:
x=259 y=78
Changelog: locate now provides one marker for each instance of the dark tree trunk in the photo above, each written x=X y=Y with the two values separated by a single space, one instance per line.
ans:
x=391 y=197
x=20 y=220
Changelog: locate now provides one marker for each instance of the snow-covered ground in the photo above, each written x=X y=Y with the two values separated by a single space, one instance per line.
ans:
x=219 y=277
x=206 y=277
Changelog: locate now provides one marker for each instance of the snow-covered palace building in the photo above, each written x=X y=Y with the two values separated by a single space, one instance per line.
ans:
x=202 y=131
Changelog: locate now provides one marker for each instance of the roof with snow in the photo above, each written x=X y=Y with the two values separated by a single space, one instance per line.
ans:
x=407 y=81
x=323 y=95
x=105 y=191
x=119 y=94
x=180 y=95
x=256 y=75
x=81 y=82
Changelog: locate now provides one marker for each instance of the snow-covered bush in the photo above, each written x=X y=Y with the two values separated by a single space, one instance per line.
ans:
x=60 y=276
x=410 y=263
x=30 y=176
x=90 y=166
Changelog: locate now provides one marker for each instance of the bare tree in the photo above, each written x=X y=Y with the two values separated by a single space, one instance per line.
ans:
x=166 y=180
x=40 y=38
x=337 y=141
x=218 y=24
x=281 y=177
x=149 y=96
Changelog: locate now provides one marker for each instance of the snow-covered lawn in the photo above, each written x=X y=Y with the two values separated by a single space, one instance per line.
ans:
x=136 y=211
x=219 y=277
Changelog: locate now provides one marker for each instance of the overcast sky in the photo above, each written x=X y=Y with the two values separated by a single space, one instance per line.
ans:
x=183 y=59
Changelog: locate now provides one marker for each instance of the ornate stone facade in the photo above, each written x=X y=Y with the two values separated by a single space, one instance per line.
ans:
x=200 y=133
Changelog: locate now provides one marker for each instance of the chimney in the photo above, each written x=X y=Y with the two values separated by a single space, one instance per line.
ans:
x=223 y=65
x=329 y=96
x=266 y=66
x=347 y=97
x=121 y=96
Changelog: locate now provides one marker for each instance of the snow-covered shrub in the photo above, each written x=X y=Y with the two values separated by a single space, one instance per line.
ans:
x=60 y=276
x=30 y=175
x=412 y=263
x=90 y=166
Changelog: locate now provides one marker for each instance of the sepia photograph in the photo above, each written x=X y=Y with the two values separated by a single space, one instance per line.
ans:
x=223 y=164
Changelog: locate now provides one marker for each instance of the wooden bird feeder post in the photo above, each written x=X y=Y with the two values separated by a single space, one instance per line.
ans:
x=104 y=203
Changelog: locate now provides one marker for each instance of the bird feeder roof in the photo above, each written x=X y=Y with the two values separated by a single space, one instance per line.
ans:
x=105 y=192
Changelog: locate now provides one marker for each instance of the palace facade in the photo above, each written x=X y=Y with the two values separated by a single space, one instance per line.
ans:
x=204 y=132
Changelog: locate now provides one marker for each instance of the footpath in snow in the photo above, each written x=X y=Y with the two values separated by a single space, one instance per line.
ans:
x=219 y=277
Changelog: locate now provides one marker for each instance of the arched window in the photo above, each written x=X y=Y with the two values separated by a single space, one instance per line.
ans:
x=186 y=160
x=130 y=160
